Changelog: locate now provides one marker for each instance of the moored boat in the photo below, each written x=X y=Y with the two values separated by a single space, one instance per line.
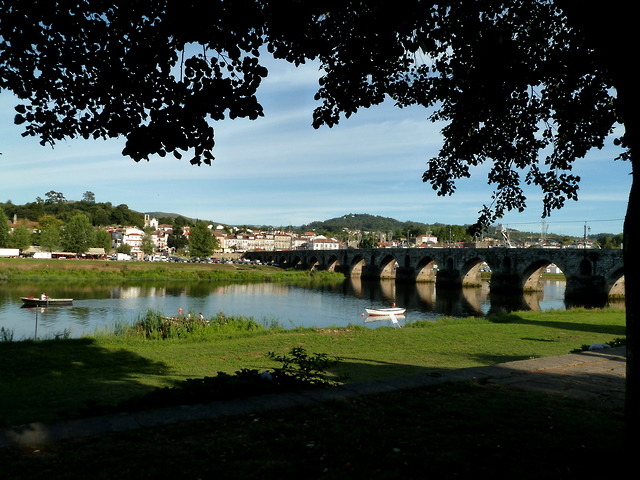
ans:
x=45 y=302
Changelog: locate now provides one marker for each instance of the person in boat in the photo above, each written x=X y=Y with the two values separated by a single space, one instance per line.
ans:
x=44 y=297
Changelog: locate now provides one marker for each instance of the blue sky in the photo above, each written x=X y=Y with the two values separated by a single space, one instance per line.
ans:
x=280 y=171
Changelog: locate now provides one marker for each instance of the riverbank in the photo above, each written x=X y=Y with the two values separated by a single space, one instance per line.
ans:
x=57 y=379
x=25 y=269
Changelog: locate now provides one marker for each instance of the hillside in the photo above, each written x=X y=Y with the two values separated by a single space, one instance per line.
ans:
x=362 y=221
x=181 y=219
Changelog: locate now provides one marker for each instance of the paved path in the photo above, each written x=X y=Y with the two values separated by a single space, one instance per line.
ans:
x=597 y=376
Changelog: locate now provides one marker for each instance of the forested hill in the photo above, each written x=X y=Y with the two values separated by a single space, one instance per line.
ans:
x=99 y=214
x=54 y=204
x=363 y=222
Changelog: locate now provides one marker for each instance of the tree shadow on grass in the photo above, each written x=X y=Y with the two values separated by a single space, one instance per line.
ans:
x=615 y=330
x=375 y=369
x=50 y=380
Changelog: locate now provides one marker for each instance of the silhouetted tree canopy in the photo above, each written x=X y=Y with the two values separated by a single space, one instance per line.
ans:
x=526 y=87
x=509 y=79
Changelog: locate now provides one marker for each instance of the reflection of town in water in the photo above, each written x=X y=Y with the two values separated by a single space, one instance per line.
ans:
x=100 y=307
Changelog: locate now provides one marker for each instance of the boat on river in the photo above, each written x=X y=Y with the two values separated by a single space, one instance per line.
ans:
x=45 y=302
x=385 y=312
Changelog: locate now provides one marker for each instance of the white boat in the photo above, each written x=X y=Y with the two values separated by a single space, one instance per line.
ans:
x=385 y=312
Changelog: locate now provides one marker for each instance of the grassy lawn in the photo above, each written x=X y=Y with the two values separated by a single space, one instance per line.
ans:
x=453 y=431
x=27 y=269
x=49 y=380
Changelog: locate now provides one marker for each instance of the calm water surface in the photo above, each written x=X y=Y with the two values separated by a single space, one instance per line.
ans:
x=98 y=307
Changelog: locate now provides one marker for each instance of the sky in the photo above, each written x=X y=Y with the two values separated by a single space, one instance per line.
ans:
x=280 y=171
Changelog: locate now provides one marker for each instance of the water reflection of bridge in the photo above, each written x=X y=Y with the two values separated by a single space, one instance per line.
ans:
x=479 y=301
x=592 y=274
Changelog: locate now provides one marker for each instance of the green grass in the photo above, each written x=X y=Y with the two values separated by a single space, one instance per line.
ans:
x=21 y=269
x=462 y=430
x=55 y=379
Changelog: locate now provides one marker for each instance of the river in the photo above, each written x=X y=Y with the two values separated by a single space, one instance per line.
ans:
x=98 y=307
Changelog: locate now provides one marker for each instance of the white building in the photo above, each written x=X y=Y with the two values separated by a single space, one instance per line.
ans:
x=323 y=243
x=132 y=236
x=420 y=239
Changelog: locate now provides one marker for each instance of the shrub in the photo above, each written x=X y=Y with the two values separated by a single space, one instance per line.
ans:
x=306 y=368
x=298 y=371
x=156 y=325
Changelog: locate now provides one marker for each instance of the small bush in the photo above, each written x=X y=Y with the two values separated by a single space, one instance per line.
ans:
x=157 y=326
x=298 y=371
x=309 y=369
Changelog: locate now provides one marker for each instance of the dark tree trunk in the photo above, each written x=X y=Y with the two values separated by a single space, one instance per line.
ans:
x=632 y=300
x=610 y=30
x=629 y=109
x=628 y=95
x=628 y=106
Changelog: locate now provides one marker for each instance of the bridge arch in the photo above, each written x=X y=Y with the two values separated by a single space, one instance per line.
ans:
x=388 y=267
x=614 y=282
x=296 y=262
x=333 y=263
x=470 y=272
x=312 y=262
x=425 y=270
x=356 y=266
x=532 y=275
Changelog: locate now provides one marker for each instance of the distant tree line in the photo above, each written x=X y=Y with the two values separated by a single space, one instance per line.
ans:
x=56 y=205
x=76 y=235
x=609 y=240
x=73 y=226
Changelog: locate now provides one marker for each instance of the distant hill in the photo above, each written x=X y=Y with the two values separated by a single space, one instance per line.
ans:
x=163 y=215
x=362 y=221
x=351 y=221
x=173 y=216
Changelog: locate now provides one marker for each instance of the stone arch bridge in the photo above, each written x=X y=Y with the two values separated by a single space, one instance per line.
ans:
x=592 y=274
